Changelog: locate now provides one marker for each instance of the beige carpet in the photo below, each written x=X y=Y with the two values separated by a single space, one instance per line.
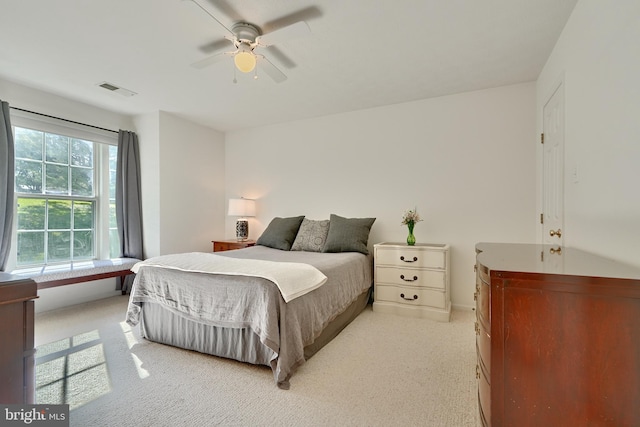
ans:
x=382 y=370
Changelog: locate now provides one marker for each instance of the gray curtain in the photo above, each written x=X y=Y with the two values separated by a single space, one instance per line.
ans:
x=128 y=205
x=7 y=175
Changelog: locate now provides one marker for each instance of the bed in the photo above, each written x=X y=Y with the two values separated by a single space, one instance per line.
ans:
x=246 y=317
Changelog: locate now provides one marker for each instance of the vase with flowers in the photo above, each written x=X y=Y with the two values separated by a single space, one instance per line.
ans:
x=409 y=219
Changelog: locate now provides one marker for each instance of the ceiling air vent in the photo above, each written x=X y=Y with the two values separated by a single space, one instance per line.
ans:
x=116 y=89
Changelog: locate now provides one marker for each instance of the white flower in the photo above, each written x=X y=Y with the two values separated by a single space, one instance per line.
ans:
x=411 y=217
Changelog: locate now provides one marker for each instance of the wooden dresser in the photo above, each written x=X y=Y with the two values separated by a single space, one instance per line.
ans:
x=17 y=353
x=558 y=337
x=412 y=280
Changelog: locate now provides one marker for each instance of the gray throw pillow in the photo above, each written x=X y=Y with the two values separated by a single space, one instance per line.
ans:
x=348 y=234
x=311 y=236
x=280 y=233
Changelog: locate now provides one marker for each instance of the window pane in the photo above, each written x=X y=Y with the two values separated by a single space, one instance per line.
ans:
x=57 y=179
x=113 y=157
x=28 y=143
x=59 y=215
x=81 y=153
x=114 y=243
x=30 y=247
x=112 y=184
x=82 y=244
x=113 y=221
x=59 y=246
x=31 y=214
x=82 y=215
x=57 y=148
x=81 y=182
x=28 y=176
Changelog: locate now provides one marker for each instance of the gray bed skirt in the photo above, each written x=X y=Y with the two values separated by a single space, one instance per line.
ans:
x=164 y=326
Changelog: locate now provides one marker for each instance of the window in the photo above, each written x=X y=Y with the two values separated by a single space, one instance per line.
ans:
x=65 y=191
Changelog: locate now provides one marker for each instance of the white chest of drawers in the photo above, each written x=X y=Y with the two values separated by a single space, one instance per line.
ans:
x=412 y=280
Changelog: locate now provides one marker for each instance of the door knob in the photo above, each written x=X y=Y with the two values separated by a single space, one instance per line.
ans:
x=557 y=232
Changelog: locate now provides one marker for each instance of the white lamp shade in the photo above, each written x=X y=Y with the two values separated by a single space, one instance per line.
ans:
x=242 y=207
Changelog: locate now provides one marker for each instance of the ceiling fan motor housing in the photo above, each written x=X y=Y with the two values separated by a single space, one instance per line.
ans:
x=246 y=32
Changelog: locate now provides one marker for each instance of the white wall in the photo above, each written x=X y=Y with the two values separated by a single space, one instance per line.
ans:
x=466 y=161
x=598 y=56
x=183 y=176
x=148 y=130
x=192 y=185
x=64 y=296
x=47 y=103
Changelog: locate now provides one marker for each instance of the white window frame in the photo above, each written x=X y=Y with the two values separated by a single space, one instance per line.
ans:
x=104 y=139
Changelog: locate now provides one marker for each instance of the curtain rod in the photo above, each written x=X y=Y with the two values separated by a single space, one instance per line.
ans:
x=64 y=120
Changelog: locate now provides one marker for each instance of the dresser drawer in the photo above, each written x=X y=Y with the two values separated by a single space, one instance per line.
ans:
x=410 y=296
x=412 y=277
x=410 y=257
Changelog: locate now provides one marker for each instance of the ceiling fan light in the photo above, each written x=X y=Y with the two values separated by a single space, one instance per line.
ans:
x=245 y=61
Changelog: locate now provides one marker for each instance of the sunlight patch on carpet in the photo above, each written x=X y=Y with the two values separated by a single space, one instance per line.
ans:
x=72 y=371
x=131 y=341
x=128 y=333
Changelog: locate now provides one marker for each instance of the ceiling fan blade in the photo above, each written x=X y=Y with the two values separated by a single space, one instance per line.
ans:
x=271 y=70
x=227 y=9
x=211 y=60
x=282 y=59
x=215 y=46
x=293 y=31
x=213 y=17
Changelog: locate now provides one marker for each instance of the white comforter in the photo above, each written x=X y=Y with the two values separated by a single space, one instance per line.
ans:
x=292 y=278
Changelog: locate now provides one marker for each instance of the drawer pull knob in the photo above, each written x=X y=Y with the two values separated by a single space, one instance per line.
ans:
x=409 y=280
x=415 y=258
x=415 y=297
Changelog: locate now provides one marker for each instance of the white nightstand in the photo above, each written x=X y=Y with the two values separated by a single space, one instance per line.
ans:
x=412 y=280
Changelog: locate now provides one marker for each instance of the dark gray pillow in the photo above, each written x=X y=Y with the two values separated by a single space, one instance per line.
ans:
x=280 y=233
x=311 y=236
x=348 y=234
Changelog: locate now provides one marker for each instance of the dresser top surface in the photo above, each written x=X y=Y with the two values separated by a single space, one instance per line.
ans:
x=546 y=259
x=12 y=279
x=417 y=245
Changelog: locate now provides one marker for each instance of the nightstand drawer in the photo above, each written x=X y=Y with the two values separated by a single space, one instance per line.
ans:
x=410 y=296
x=410 y=257
x=412 y=277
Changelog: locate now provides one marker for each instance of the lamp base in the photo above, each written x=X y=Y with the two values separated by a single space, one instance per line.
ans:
x=242 y=230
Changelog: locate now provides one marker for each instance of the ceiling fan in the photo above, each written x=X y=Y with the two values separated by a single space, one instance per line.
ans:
x=246 y=39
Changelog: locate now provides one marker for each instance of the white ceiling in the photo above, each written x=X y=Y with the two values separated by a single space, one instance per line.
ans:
x=360 y=54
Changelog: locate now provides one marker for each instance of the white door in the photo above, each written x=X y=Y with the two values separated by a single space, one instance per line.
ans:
x=553 y=169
